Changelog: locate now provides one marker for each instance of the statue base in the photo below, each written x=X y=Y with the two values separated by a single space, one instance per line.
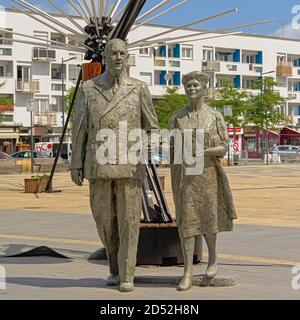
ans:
x=159 y=244
x=198 y=281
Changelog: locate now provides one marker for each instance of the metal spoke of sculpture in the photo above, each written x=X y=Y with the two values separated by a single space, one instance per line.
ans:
x=105 y=19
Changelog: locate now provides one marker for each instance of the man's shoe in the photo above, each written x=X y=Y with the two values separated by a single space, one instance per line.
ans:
x=126 y=287
x=113 y=280
x=212 y=271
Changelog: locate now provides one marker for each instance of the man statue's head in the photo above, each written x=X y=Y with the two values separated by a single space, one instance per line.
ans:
x=195 y=84
x=116 y=57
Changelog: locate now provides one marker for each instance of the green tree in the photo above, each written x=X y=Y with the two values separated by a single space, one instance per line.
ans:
x=68 y=100
x=170 y=102
x=5 y=101
x=264 y=112
x=235 y=98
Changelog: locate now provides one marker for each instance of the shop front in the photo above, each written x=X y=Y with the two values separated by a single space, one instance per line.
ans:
x=289 y=136
x=255 y=142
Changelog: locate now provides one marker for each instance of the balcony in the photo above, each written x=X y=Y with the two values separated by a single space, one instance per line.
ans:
x=174 y=63
x=284 y=69
x=42 y=54
x=294 y=96
x=28 y=86
x=159 y=63
x=45 y=119
x=211 y=66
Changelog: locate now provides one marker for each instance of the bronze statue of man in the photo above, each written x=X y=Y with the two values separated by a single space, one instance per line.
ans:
x=204 y=203
x=115 y=187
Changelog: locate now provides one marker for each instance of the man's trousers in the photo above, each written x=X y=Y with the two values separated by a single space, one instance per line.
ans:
x=117 y=207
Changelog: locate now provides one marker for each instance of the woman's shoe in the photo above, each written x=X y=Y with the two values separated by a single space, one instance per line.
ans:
x=185 y=284
x=126 y=287
x=113 y=280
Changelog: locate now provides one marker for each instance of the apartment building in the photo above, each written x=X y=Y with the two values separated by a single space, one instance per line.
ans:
x=34 y=73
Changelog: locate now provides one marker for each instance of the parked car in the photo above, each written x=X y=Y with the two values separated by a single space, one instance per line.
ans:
x=27 y=155
x=4 y=156
x=287 y=153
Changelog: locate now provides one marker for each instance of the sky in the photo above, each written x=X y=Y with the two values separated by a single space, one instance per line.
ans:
x=249 y=11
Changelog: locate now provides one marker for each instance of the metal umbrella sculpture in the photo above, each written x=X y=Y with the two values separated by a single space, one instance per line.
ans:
x=106 y=20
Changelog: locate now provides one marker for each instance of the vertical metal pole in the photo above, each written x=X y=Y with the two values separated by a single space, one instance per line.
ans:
x=261 y=94
x=48 y=187
x=62 y=93
x=32 y=142
x=228 y=144
x=267 y=147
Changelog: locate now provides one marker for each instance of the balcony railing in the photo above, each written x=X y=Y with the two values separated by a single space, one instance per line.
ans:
x=293 y=96
x=211 y=66
x=42 y=54
x=174 y=64
x=284 y=69
x=28 y=86
x=159 y=63
x=49 y=119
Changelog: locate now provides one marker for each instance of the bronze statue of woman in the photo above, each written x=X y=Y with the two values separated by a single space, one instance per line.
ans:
x=204 y=203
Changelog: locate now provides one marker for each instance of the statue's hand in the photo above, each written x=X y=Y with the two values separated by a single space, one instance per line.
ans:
x=77 y=177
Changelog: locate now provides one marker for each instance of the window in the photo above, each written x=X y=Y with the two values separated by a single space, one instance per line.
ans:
x=224 y=56
x=56 y=104
x=5 y=35
x=42 y=106
x=222 y=82
x=280 y=59
x=5 y=52
x=249 y=59
x=56 y=71
x=248 y=83
x=187 y=52
x=145 y=51
x=23 y=73
x=208 y=54
x=43 y=54
x=73 y=72
x=57 y=87
x=146 y=77
x=1 y=71
x=251 y=144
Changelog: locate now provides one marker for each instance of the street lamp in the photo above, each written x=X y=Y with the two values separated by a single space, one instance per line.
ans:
x=63 y=89
x=30 y=108
x=228 y=113
x=267 y=114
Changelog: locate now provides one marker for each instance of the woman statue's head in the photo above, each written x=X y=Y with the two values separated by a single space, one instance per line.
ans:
x=195 y=85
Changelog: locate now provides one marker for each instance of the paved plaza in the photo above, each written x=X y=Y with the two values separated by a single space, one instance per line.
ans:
x=259 y=253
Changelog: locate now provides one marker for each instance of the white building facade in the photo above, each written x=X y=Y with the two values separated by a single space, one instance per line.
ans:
x=35 y=72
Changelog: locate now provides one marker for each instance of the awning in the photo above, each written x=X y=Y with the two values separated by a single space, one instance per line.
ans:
x=289 y=132
x=9 y=135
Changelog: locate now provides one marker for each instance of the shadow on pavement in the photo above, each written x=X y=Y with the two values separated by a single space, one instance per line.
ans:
x=57 y=283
